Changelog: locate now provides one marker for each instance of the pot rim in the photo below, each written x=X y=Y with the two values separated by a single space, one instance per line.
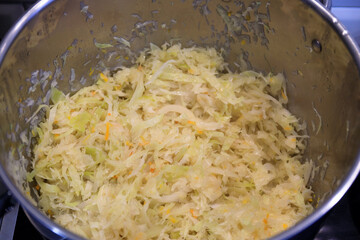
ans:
x=291 y=232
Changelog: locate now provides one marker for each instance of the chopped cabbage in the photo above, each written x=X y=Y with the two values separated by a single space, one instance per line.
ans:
x=56 y=95
x=173 y=148
x=79 y=121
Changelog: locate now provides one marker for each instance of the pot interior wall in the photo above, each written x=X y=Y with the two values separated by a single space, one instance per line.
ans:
x=58 y=46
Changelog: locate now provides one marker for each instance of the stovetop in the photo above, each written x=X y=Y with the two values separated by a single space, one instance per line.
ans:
x=342 y=222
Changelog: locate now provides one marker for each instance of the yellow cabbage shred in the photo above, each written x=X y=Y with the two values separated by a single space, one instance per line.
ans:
x=173 y=148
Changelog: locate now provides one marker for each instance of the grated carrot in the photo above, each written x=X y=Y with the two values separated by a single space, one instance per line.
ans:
x=191 y=71
x=283 y=95
x=172 y=219
x=285 y=226
x=144 y=142
x=91 y=71
x=50 y=212
x=108 y=125
x=199 y=132
x=37 y=187
x=192 y=213
x=128 y=144
x=191 y=122
x=139 y=236
x=265 y=220
x=103 y=77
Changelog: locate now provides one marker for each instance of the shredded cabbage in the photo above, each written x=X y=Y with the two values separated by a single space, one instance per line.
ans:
x=173 y=148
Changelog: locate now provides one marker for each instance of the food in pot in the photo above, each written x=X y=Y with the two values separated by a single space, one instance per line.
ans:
x=176 y=147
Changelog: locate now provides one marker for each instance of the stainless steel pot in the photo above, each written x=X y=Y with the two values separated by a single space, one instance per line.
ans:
x=53 y=44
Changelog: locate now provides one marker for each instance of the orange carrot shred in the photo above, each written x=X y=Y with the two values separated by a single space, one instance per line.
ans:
x=192 y=213
x=107 y=131
x=283 y=95
x=91 y=71
x=50 y=212
x=143 y=141
x=103 y=77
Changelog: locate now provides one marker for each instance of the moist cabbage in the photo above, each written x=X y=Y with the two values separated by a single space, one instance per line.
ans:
x=175 y=147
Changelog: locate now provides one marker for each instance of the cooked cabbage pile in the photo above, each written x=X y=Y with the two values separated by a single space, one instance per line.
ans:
x=176 y=147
